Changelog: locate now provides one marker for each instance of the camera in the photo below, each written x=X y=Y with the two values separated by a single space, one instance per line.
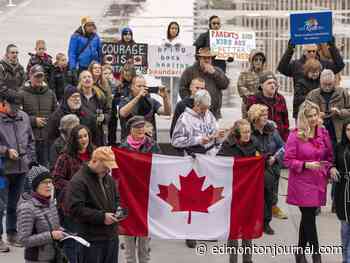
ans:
x=153 y=89
x=109 y=59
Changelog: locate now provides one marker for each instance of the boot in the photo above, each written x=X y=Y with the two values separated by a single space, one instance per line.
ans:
x=3 y=247
x=191 y=243
x=316 y=258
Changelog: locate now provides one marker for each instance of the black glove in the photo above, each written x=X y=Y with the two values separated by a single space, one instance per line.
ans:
x=290 y=44
x=31 y=164
x=230 y=59
x=331 y=42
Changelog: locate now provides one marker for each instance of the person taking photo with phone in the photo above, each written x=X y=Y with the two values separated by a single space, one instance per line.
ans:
x=139 y=102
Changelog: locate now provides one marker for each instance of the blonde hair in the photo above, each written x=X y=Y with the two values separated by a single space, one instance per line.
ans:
x=98 y=91
x=149 y=129
x=256 y=111
x=304 y=129
x=40 y=42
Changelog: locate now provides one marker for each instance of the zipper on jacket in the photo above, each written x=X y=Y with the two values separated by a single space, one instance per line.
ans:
x=18 y=151
x=39 y=111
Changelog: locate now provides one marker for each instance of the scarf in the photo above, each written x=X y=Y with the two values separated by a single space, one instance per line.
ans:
x=42 y=199
x=135 y=144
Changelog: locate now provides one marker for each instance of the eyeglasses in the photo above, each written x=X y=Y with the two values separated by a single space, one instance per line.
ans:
x=47 y=182
x=75 y=97
x=258 y=59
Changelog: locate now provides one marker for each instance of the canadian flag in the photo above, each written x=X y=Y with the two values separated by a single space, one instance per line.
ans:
x=201 y=198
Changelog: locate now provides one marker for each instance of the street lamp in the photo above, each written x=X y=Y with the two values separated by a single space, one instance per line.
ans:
x=10 y=4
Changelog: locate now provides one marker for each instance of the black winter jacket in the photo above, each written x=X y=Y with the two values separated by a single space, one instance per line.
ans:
x=87 y=204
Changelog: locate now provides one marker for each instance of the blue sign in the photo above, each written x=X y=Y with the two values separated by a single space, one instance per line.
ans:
x=311 y=28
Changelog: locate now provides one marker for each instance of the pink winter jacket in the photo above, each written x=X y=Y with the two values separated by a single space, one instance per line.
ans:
x=306 y=187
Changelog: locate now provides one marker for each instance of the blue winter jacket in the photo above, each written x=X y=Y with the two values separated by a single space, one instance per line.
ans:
x=77 y=44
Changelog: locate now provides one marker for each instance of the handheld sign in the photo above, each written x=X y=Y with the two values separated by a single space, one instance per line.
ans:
x=169 y=61
x=311 y=27
x=120 y=54
x=234 y=44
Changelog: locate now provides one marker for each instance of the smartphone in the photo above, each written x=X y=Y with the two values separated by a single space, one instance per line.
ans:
x=121 y=213
x=153 y=89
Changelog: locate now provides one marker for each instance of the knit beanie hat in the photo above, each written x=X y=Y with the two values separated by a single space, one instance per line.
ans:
x=69 y=91
x=127 y=30
x=265 y=76
x=37 y=174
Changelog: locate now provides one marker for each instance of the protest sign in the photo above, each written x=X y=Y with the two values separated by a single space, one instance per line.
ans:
x=311 y=27
x=238 y=45
x=169 y=61
x=120 y=54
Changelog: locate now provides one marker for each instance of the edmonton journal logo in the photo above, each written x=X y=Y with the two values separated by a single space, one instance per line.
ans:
x=311 y=25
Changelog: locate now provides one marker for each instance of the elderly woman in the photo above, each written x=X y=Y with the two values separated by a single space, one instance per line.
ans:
x=196 y=130
x=138 y=141
x=310 y=81
x=239 y=143
x=271 y=145
x=38 y=223
x=67 y=123
x=308 y=156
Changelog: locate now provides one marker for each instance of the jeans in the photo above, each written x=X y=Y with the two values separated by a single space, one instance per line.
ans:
x=42 y=149
x=276 y=180
x=142 y=244
x=71 y=248
x=105 y=251
x=345 y=240
x=9 y=196
x=175 y=92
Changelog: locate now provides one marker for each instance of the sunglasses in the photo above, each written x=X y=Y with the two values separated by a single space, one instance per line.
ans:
x=311 y=51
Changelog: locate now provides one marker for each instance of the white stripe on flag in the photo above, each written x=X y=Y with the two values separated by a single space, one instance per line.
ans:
x=165 y=224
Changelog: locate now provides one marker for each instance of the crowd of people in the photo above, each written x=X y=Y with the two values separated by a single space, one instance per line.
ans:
x=58 y=121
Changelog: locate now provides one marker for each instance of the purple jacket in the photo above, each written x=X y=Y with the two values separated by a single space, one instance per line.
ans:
x=306 y=187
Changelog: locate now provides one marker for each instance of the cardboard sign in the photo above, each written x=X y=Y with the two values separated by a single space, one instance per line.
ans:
x=238 y=45
x=311 y=27
x=120 y=54
x=169 y=61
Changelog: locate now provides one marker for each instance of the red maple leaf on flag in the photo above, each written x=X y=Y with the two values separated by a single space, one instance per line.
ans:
x=190 y=197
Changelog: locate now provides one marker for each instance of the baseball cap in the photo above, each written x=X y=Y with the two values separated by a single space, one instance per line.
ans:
x=36 y=70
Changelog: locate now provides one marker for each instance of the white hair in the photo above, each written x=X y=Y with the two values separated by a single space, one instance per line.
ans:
x=327 y=74
x=202 y=97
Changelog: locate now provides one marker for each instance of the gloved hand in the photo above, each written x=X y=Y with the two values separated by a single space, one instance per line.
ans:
x=230 y=59
x=332 y=41
x=290 y=44
x=31 y=164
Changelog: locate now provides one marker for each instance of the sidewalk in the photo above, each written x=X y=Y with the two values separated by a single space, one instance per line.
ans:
x=53 y=21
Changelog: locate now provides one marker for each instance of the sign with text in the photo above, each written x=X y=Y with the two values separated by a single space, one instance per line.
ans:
x=237 y=45
x=169 y=61
x=311 y=27
x=120 y=54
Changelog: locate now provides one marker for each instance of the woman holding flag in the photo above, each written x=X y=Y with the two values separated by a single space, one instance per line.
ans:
x=240 y=144
x=138 y=141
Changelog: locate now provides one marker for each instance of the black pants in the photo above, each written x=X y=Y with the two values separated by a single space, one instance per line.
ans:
x=99 y=252
x=307 y=229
